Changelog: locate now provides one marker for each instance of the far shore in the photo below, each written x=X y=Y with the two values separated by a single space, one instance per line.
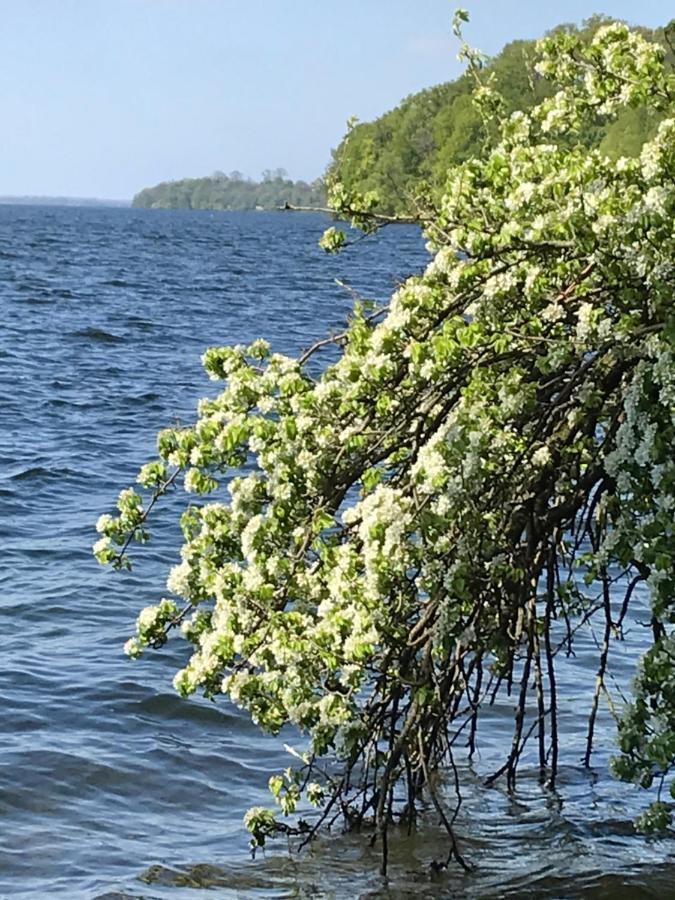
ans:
x=60 y=201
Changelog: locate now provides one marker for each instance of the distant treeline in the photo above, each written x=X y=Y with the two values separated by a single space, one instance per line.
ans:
x=420 y=139
x=413 y=145
x=233 y=191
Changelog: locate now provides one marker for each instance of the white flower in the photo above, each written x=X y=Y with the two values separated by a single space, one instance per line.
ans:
x=553 y=312
x=103 y=522
x=147 y=617
x=248 y=537
x=102 y=544
x=584 y=321
x=133 y=648
x=178 y=580
x=541 y=457
x=191 y=482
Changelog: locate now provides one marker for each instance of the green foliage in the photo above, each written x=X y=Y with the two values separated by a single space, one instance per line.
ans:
x=441 y=126
x=333 y=239
x=489 y=455
x=234 y=191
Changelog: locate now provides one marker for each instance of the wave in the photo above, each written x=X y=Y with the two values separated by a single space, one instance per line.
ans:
x=118 y=282
x=41 y=472
x=98 y=334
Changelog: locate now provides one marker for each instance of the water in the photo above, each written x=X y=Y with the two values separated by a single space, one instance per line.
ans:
x=110 y=785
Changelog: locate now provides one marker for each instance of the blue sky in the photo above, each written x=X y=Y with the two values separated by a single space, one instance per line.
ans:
x=103 y=97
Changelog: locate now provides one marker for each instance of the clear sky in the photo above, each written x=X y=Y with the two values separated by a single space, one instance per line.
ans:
x=104 y=97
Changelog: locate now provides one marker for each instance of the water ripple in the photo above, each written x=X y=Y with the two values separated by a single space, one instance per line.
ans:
x=110 y=785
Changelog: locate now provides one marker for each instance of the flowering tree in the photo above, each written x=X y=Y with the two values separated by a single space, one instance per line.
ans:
x=490 y=454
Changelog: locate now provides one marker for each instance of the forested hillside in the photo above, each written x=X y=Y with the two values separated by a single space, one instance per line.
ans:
x=233 y=191
x=412 y=146
x=418 y=140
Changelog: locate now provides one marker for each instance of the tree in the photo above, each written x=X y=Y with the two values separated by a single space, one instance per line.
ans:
x=491 y=454
x=233 y=191
x=439 y=127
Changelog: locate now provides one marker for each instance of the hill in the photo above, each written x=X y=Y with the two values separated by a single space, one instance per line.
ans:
x=429 y=131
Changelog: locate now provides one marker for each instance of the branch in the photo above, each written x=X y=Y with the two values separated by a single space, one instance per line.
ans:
x=378 y=218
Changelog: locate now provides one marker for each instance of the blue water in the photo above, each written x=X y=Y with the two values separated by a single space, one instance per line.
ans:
x=110 y=785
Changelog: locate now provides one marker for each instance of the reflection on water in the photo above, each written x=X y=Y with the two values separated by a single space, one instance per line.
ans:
x=549 y=858
x=110 y=785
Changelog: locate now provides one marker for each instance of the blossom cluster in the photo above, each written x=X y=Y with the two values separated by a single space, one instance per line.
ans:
x=371 y=523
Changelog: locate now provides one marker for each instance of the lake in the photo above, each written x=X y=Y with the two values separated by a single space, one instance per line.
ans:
x=110 y=784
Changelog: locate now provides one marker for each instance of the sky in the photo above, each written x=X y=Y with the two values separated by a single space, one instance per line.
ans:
x=100 y=98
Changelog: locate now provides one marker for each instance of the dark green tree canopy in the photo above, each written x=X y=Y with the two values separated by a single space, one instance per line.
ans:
x=436 y=128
